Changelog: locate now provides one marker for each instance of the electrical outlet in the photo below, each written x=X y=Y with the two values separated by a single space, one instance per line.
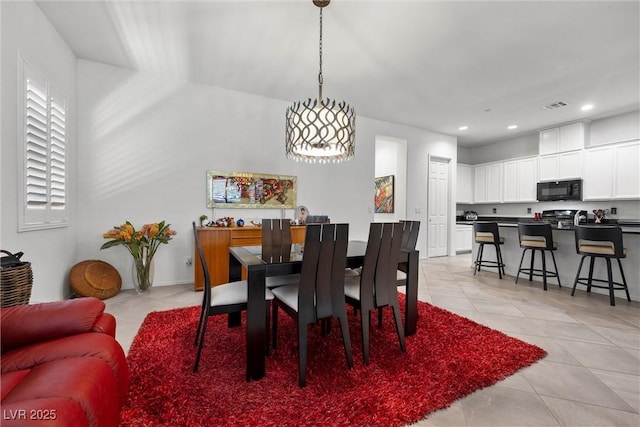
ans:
x=188 y=260
x=528 y=210
x=495 y=210
x=614 y=211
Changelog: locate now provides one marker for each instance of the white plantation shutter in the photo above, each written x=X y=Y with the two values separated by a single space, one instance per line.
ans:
x=36 y=144
x=57 y=150
x=43 y=110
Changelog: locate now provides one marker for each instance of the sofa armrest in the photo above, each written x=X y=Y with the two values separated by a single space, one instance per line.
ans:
x=106 y=324
x=27 y=324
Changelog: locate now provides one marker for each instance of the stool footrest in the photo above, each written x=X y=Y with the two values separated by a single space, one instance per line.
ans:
x=538 y=272
x=618 y=286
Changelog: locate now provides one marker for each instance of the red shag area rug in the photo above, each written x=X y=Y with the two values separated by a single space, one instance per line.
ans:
x=448 y=358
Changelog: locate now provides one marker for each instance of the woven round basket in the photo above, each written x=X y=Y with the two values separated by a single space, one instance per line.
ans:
x=15 y=285
x=95 y=278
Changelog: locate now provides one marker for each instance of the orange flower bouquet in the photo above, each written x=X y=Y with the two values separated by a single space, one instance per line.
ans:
x=142 y=245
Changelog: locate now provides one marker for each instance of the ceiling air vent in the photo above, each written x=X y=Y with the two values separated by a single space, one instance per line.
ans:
x=555 y=105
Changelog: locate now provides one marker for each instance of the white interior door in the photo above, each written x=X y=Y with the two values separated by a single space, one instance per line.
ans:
x=438 y=222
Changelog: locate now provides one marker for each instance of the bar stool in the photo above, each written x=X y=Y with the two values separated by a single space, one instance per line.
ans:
x=537 y=237
x=486 y=233
x=601 y=242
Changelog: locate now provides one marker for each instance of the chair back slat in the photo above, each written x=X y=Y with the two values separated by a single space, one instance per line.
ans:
x=308 y=274
x=339 y=265
x=276 y=239
x=385 y=279
x=410 y=231
x=368 y=273
x=323 y=276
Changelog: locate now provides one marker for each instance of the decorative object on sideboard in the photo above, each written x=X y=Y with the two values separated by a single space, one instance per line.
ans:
x=599 y=215
x=320 y=130
x=142 y=245
x=301 y=215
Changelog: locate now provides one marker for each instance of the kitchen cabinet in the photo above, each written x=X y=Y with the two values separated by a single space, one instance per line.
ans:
x=561 y=139
x=494 y=182
x=488 y=183
x=560 y=166
x=626 y=167
x=464 y=186
x=520 y=178
x=612 y=172
x=480 y=184
x=598 y=180
x=464 y=234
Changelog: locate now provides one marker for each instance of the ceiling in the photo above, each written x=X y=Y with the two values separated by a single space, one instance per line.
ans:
x=435 y=65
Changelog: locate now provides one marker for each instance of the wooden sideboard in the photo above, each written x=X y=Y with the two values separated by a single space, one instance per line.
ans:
x=215 y=243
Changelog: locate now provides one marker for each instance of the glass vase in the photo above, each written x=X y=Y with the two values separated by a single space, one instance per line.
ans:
x=142 y=275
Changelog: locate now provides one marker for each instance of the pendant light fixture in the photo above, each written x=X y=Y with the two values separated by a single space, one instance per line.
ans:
x=320 y=130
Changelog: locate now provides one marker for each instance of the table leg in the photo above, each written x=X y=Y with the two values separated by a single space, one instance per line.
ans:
x=411 y=294
x=256 y=323
x=235 y=268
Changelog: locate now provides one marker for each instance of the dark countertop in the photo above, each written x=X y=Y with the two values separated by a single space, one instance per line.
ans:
x=628 y=226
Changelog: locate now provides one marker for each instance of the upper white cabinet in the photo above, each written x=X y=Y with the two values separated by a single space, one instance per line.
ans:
x=560 y=166
x=480 y=184
x=598 y=180
x=494 y=181
x=520 y=177
x=626 y=167
x=488 y=183
x=464 y=186
x=549 y=141
x=612 y=172
x=564 y=138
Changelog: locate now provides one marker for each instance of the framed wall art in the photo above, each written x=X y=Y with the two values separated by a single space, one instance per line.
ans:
x=384 y=197
x=250 y=190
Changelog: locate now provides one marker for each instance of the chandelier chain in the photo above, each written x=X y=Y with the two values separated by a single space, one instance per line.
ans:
x=320 y=79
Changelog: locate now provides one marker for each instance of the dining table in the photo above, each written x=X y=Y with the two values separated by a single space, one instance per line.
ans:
x=250 y=260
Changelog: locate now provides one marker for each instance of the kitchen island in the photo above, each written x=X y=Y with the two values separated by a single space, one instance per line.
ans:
x=567 y=258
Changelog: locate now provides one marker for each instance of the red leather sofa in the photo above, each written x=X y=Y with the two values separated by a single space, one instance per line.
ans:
x=61 y=365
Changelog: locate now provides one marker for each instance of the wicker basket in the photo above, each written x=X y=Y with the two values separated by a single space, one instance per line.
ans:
x=15 y=285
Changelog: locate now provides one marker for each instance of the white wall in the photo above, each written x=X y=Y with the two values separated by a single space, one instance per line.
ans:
x=52 y=252
x=525 y=145
x=146 y=142
x=622 y=127
x=391 y=159
x=139 y=148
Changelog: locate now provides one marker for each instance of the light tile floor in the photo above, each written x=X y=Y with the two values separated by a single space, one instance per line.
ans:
x=590 y=377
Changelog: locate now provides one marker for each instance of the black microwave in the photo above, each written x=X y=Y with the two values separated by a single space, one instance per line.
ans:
x=559 y=190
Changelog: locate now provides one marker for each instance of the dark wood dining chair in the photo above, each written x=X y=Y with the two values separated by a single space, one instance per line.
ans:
x=319 y=294
x=221 y=299
x=375 y=287
x=276 y=247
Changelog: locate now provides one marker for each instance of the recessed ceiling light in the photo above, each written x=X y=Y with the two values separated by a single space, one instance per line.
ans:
x=463 y=128
x=510 y=127
x=586 y=107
